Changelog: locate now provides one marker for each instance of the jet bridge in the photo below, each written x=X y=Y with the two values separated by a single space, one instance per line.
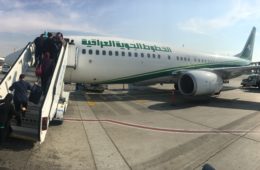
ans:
x=51 y=107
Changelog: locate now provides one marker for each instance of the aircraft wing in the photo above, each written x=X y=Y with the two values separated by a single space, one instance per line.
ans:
x=225 y=72
x=232 y=72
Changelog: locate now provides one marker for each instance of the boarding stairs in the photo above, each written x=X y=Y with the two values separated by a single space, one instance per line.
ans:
x=51 y=107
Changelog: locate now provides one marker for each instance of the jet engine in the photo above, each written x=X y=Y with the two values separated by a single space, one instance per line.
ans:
x=199 y=82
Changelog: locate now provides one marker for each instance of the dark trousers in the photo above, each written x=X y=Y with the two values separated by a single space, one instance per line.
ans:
x=38 y=57
x=18 y=107
x=18 y=104
x=5 y=131
x=2 y=135
x=45 y=81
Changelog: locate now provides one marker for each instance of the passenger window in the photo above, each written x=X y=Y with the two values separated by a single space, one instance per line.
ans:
x=169 y=57
x=181 y=58
x=136 y=54
x=129 y=54
x=116 y=53
x=177 y=57
x=110 y=53
x=123 y=53
x=104 y=52
x=184 y=58
x=148 y=55
x=97 y=52
x=90 y=52
x=154 y=56
x=142 y=54
x=159 y=56
x=83 y=51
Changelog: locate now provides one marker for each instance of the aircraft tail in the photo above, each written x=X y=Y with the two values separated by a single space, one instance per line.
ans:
x=247 y=52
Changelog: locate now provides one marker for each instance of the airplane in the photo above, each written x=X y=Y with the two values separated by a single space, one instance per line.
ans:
x=108 y=60
x=2 y=60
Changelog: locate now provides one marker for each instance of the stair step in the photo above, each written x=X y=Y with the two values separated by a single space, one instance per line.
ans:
x=24 y=133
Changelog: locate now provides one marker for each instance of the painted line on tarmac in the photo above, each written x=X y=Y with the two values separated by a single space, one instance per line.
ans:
x=91 y=103
x=168 y=130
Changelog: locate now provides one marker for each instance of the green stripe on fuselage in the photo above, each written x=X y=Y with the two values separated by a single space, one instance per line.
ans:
x=169 y=71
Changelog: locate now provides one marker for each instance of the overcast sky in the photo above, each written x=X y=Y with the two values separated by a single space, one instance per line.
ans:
x=220 y=26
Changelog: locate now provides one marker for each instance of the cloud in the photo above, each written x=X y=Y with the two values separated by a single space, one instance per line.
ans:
x=35 y=16
x=37 y=21
x=241 y=11
x=12 y=4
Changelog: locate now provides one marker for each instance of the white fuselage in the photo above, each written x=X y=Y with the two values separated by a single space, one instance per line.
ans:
x=113 y=60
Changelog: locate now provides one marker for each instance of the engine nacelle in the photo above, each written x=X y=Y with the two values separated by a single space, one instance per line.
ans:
x=200 y=82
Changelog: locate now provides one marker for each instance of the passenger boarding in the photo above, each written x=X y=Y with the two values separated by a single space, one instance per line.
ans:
x=106 y=60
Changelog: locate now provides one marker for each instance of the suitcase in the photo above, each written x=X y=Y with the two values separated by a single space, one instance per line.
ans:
x=36 y=93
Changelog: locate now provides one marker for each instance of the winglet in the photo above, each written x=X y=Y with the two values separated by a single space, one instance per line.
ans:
x=247 y=52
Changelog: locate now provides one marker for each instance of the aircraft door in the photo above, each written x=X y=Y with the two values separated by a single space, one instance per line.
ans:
x=72 y=56
x=72 y=61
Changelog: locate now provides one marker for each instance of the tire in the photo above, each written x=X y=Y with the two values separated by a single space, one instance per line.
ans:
x=218 y=93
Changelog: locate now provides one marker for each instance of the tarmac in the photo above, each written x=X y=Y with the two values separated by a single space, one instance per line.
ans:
x=147 y=128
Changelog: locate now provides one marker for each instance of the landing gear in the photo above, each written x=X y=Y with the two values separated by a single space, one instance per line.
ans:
x=176 y=87
x=258 y=85
x=98 y=88
x=218 y=93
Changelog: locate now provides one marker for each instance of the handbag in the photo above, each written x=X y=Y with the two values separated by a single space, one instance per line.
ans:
x=38 y=71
